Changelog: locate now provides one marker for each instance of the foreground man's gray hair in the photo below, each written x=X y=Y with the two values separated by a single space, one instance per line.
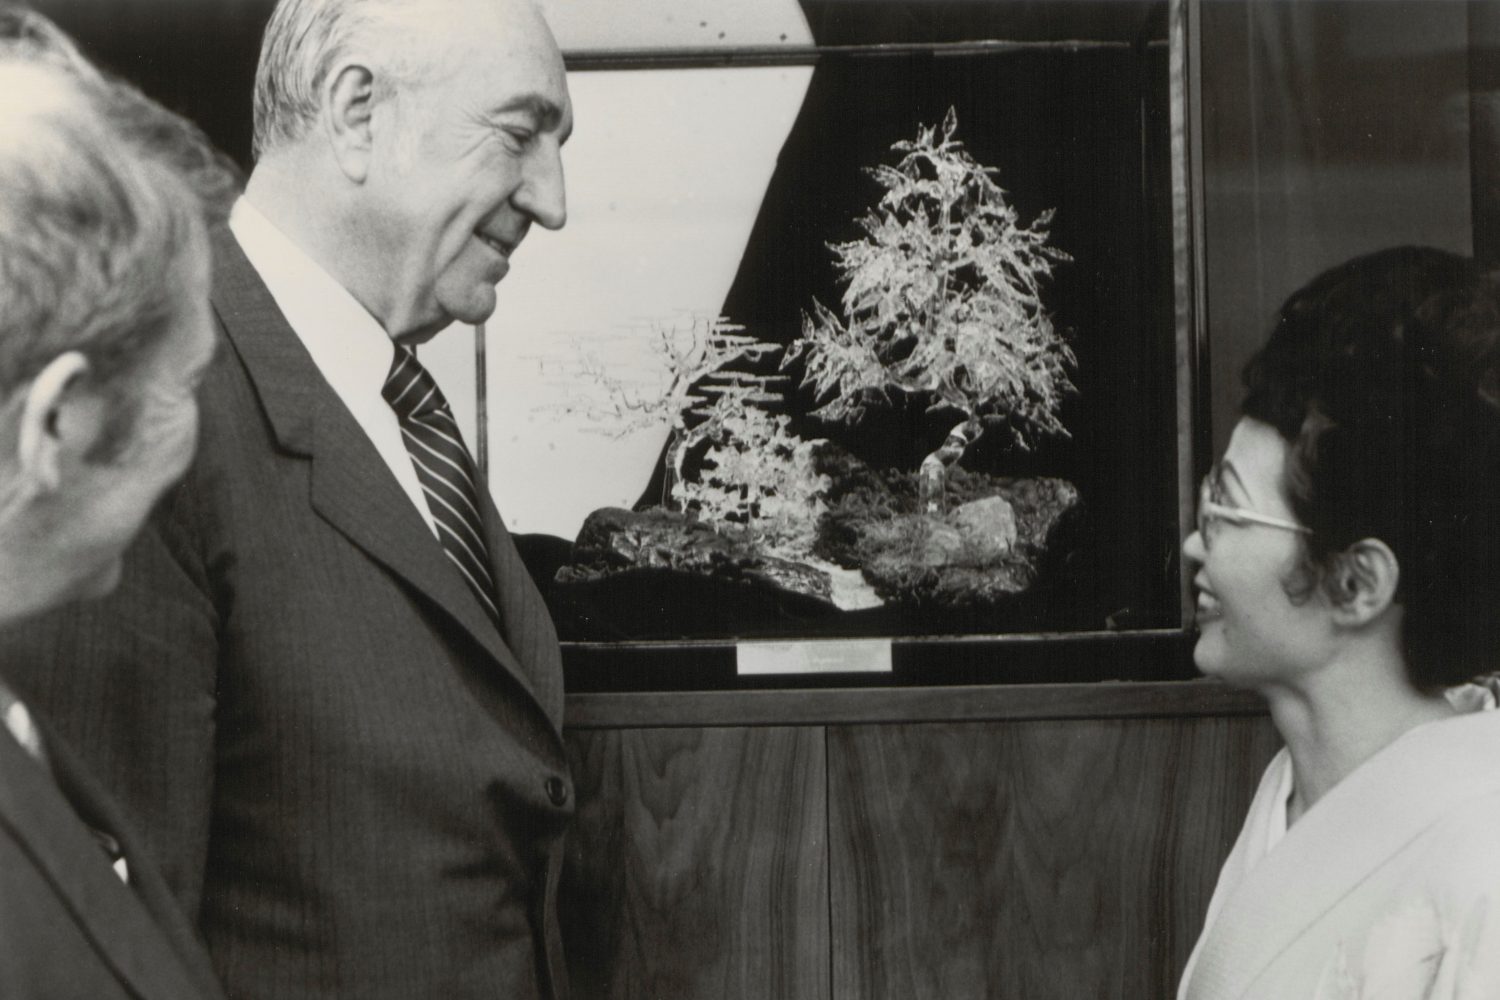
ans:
x=95 y=237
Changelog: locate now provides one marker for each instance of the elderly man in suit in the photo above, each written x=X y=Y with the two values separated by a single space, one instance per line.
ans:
x=335 y=695
x=104 y=335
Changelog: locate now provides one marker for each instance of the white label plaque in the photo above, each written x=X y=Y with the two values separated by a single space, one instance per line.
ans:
x=815 y=656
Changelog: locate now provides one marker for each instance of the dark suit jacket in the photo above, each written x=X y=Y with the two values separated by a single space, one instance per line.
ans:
x=69 y=928
x=356 y=782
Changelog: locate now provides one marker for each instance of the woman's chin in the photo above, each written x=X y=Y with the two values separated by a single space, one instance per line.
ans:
x=1208 y=651
x=1214 y=659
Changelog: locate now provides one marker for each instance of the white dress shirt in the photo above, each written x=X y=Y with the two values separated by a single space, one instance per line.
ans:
x=351 y=349
x=18 y=721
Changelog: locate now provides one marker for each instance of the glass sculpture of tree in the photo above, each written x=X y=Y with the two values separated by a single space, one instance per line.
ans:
x=692 y=387
x=942 y=303
x=755 y=473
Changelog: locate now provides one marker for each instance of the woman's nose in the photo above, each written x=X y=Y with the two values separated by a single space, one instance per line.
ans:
x=1193 y=547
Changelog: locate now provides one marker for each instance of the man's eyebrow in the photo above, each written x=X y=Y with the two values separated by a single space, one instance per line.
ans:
x=547 y=114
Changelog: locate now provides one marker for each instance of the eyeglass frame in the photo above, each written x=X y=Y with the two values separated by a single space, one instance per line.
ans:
x=1239 y=516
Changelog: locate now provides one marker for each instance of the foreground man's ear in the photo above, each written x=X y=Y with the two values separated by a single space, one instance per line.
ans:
x=50 y=420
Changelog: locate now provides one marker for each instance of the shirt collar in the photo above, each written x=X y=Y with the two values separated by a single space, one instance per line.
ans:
x=348 y=345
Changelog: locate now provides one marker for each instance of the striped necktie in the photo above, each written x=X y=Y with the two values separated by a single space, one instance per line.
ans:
x=443 y=467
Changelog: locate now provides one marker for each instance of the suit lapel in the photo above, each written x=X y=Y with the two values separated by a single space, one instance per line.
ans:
x=33 y=809
x=94 y=806
x=1359 y=825
x=352 y=488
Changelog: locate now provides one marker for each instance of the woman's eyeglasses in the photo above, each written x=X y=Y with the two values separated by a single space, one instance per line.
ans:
x=1211 y=512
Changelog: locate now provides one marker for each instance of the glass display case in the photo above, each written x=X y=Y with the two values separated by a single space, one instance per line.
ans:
x=820 y=256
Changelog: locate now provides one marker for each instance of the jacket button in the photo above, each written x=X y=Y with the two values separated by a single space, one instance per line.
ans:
x=557 y=791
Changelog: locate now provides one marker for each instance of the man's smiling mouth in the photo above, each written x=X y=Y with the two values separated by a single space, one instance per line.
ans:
x=502 y=247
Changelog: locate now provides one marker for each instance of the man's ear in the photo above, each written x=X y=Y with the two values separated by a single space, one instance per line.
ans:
x=348 y=105
x=1364 y=582
x=50 y=423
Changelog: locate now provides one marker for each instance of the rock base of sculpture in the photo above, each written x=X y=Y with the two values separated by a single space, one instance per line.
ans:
x=991 y=544
x=613 y=540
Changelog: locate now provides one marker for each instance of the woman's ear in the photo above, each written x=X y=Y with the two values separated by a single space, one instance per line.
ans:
x=348 y=104
x=48 y=430
x=1364 y=582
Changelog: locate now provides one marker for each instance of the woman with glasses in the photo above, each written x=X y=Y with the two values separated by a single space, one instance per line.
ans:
x=1347 y=558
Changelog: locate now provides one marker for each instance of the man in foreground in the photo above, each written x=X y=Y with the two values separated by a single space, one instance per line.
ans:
x=104 y=335
x=335 y=696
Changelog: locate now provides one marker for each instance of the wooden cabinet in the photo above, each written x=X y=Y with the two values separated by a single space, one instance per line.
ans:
x=1065 y=851
x=698 y=866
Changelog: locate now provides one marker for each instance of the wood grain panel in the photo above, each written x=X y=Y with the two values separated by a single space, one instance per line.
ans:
x=967 y=703
x=697 y=867
x=1037 y=860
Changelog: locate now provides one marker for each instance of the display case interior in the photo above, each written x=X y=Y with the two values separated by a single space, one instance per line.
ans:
x=796 y=509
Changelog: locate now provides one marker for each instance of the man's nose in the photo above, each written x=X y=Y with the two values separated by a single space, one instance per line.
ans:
x=542 y=195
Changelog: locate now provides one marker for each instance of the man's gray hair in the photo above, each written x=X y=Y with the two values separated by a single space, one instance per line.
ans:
x=98 y=241
x=305 y=40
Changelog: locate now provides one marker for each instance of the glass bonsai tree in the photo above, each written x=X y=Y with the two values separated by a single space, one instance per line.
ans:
x=753 y=473
x=942 y=304
x=756 y=472
x=674 y=392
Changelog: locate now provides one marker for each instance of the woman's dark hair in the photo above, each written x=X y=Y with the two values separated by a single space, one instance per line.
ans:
x=1383 y=375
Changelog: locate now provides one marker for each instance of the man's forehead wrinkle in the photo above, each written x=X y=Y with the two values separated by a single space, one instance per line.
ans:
x=547 y=112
